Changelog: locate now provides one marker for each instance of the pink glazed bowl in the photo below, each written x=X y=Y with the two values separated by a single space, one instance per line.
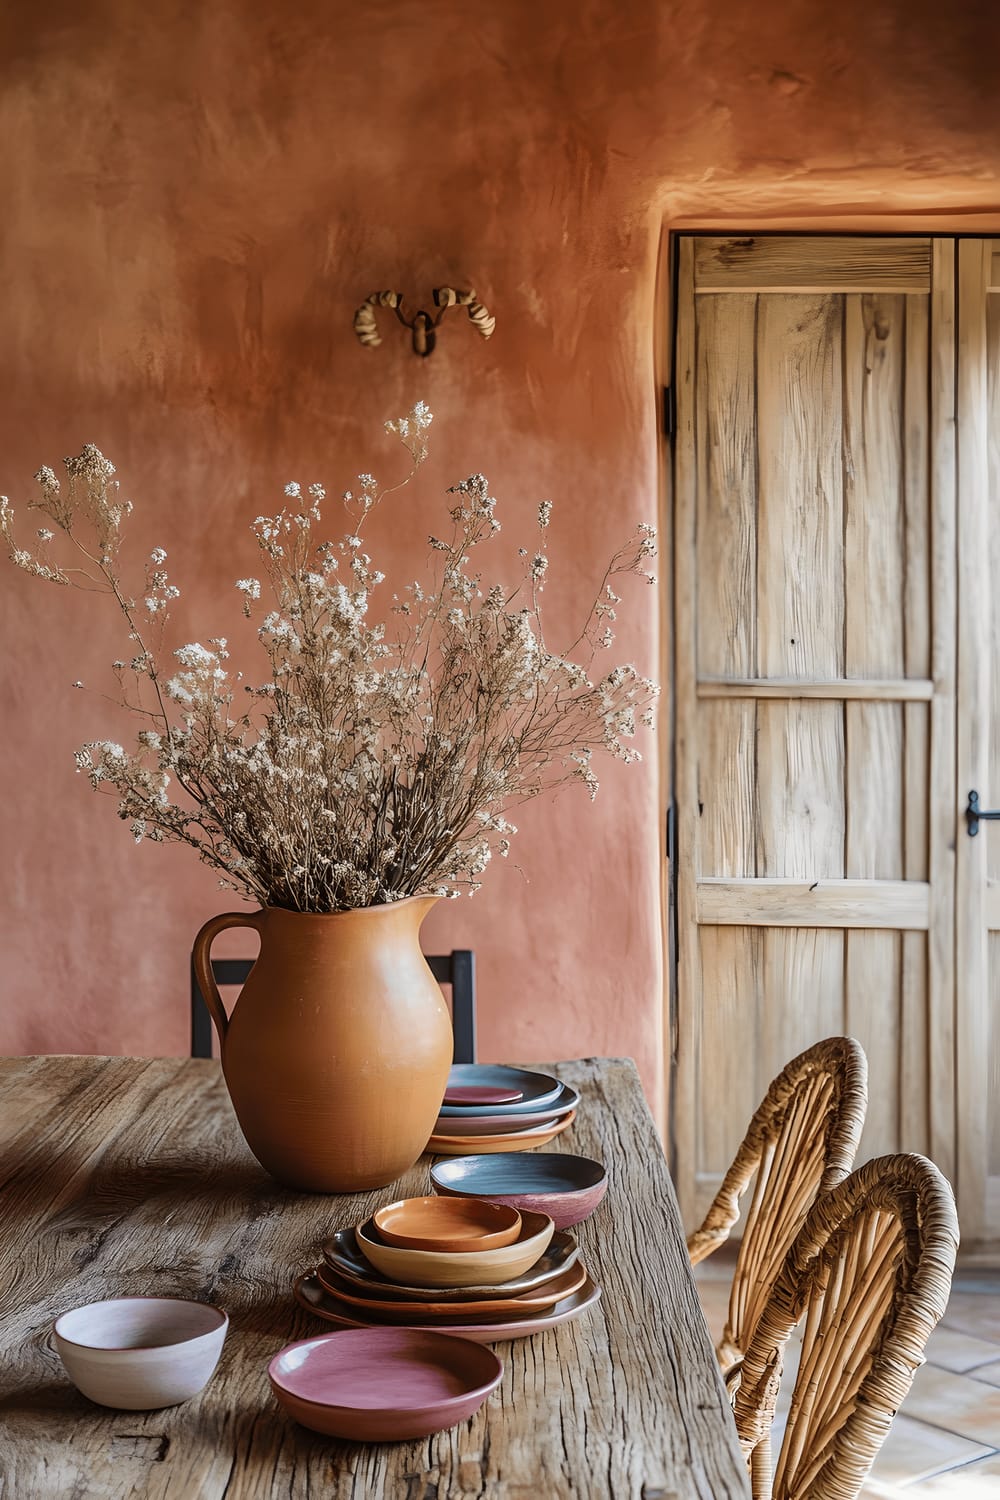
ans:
x=141 y=1353
x=383 y=1385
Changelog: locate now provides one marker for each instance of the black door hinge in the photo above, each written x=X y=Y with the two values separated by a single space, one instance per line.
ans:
x=671 y=852
x=669 y=411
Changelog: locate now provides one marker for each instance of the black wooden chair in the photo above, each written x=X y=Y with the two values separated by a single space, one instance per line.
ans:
x=457 y=969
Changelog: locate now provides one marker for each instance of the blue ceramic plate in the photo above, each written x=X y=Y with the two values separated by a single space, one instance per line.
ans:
x=492 y=1122
x=537 y=1090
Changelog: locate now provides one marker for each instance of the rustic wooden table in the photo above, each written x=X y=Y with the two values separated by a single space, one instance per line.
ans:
x=123 y=1175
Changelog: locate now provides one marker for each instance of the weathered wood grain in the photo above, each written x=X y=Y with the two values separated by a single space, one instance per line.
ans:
x=874 y=644
x=900 y=904
x=800 y=572
x=689 y=994
x=127 y=1176
x=914 y=999
x=976 y=590
x=943 y=801
x=819 y=263
x=837 y=690
x=992 y=1041
x=729 y=960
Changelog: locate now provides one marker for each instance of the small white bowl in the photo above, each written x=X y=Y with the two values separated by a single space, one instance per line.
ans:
x=141 y=1353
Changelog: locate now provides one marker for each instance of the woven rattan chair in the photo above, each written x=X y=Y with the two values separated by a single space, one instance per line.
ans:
x=802 y=1139
x=869 y=1276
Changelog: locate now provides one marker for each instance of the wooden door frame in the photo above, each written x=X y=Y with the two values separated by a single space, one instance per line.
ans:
x=945 y=1038
x=973 y=730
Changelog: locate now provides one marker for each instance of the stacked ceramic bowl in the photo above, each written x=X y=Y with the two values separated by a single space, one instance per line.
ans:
x=488 y=1107
x=483 y=1270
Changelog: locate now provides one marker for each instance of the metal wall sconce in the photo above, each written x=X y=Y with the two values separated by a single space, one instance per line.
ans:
x=422 y=325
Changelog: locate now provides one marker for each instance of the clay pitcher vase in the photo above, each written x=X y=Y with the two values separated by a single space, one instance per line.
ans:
x=337 y=1052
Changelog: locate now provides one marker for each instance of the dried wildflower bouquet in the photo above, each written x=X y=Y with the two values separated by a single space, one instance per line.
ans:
x=376 y=759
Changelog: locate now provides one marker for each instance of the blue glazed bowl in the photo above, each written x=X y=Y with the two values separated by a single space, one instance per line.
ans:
x=567 y=1188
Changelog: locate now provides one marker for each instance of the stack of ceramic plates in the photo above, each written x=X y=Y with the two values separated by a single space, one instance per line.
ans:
x=482 y=1270
x=488 y=1107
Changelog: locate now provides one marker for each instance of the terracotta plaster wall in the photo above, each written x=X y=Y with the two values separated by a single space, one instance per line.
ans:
x=194 y=199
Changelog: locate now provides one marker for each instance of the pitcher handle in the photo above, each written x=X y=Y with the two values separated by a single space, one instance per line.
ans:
x=201 y=958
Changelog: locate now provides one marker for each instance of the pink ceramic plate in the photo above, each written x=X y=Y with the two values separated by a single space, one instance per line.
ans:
x=473 y=1094
x=521 y=1140
x=499 y=1124
x=311 y=1294
x=383 y=1385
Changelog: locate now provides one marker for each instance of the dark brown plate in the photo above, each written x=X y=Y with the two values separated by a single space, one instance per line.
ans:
x=412 y=1310
x=311 y=1294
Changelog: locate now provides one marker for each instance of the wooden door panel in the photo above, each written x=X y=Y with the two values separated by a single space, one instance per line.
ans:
x=800 y=518
x=991 y=1212
x=991 y=1042
x=726 y=489
x=809 y=750
x=884 y=516
x=978 y=969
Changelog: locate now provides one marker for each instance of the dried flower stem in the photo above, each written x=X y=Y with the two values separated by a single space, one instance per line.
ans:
x=376 y=760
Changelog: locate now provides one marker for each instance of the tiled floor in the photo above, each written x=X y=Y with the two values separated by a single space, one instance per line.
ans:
x=945 y=1441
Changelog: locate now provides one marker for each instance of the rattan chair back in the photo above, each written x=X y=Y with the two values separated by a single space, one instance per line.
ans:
x=869 y=1277
x=802 y=1139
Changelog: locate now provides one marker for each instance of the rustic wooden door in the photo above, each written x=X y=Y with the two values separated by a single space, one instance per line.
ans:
x=815 y=599
x=978 y=858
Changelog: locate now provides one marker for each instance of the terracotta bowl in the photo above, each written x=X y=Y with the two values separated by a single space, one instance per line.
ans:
x=383 y=1385
x=461 y=1268
x=141 y=1353
x=341 y=1253
x=567 y=1188
x=450 y=1224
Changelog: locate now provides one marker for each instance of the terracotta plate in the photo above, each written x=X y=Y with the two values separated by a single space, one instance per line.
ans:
x=562 y=1098
x=311 y=1294
x=521 y=1140
x=536 y=1089
x=342 y=1253
x=567 y=1187
x=383 y=1385
x=419 y=1224
x=404 y=1310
